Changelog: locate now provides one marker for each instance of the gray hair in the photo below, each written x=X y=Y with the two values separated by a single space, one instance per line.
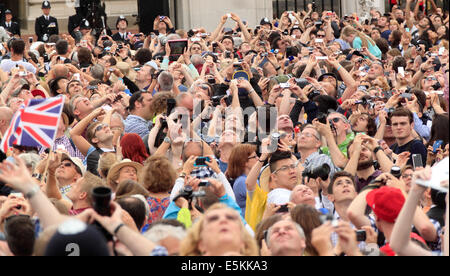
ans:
x=197 y=59
x=165 y=81
x=97 y=72
x=300 y=231
x=349 y=130
x=30 y=159
x=162 y=231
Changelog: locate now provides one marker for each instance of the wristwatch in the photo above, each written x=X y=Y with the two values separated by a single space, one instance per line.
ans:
x=167 y=140
x=377 y=149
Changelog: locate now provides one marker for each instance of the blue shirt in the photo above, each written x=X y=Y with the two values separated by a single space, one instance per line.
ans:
x=373 y=49
x=223 y=166
x=240 y=192
x=138 y=125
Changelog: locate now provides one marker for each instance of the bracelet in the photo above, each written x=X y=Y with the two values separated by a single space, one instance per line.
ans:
x=278 y=68
x=339 y=68
x=118 y=228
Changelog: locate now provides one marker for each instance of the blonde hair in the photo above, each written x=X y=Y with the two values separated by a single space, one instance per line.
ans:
x=189 y=246
x=105 y=163
x=349 y=30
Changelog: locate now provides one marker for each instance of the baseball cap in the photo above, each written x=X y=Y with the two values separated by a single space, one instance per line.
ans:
x=46 y=5
x=241 y=75
x=265 y=21
x=153 y=65
x=386 y=202
x=76 y=161
x=85 y=239
x=354 y=53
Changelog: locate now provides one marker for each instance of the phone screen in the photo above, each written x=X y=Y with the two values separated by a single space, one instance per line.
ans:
x=417 y=161
x=283 y=209
x=177 y=47
x=201 y=161
x=171 y=104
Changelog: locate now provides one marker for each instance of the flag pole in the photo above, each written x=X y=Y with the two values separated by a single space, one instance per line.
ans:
x=44 y=175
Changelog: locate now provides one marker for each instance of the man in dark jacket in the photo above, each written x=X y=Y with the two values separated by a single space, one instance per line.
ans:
x=46 y=25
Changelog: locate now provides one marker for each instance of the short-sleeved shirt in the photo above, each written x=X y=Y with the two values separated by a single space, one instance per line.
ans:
x=7 y=64
x=342 y=147
x=255 y=206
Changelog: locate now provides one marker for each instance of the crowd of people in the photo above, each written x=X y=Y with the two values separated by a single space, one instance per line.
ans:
x=306 y=135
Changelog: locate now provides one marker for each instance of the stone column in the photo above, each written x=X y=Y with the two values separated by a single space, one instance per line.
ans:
x=207 y=13
x=361 y=7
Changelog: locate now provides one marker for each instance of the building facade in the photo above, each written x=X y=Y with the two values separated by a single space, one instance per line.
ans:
x=187 y=14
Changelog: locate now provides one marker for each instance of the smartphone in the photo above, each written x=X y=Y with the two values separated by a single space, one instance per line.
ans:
x=76 y=76
x=361 y=235
x=22 y=74
x=171 y=104
x=401 y=71
x=204 y=183
x=285 y=85
x=195 y=39
x=417 y=161
x=441 y=51
x=322 y=58
x=406 y=96
x=437 y=144
x=319 y=40
x=201 y=161
x=283 y=209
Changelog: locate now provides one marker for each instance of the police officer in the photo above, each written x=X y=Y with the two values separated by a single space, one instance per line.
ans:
x=46 y=25
x=74 y=24
x=12 y=27
x=122 y=34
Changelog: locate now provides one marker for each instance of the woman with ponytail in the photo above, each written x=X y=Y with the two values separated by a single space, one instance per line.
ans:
x=359 y=40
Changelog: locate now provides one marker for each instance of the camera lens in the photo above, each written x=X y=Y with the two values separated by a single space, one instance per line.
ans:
x=101 y=197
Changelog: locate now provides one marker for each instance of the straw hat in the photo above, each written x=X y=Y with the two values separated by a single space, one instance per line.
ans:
x=126 y=69
x=118 y=166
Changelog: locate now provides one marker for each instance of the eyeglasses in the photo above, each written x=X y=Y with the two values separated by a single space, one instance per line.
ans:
x=431 y=79
x=253 y=157
x=285 y=168
x=407 y=175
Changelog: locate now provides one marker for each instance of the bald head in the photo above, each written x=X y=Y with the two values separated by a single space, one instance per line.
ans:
x=6 y=114
x=61 y=71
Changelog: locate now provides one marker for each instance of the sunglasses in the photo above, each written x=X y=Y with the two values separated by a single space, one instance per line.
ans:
x=335 y=120
x=66 y=164
x=100 y=127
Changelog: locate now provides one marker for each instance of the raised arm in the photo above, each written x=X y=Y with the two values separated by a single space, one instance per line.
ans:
x=219 y=28
x=400 y=239
x=76 y=133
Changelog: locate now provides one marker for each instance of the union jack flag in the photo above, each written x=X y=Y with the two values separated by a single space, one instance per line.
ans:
x=34 y=124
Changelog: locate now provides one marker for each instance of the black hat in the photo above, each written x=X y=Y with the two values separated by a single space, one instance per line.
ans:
x=327 y=75
x=75 y=238
x=120 y=18
x=8 y=11
x=46 y=5
x=265 y=21
x=85 y=25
